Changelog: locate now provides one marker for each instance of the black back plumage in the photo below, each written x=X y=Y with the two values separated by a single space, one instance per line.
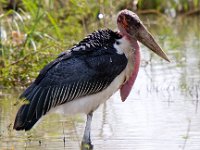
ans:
x=88 y=68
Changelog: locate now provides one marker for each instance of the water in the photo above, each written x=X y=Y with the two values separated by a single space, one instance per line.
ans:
x=161 y=113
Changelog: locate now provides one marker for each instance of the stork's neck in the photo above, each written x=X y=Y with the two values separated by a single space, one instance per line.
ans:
x=133 y=51
x=132 y=68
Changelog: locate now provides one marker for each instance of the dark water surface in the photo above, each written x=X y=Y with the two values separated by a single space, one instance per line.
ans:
x=161 y=113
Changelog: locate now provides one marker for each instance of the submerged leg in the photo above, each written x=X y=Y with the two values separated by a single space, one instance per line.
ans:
x=86 y=141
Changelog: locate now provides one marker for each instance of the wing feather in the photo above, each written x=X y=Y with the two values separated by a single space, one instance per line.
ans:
x=64 y=95
x=32 y=93
x=74 y=93
x=55 y=99
x=47 y=98
x=61 y=95
x=40 y=103
x=49 y=102
x=33 y=104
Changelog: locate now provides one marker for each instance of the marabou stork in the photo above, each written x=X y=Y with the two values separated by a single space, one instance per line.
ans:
x=88 y=74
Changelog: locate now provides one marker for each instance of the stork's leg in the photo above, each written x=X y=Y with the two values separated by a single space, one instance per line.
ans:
x=86 y=141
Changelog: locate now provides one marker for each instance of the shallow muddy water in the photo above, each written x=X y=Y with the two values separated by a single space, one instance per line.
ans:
x=161 y=113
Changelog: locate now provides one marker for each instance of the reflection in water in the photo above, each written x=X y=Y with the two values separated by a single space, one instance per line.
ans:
x=162 y=112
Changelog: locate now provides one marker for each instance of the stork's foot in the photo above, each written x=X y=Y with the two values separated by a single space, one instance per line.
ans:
x=86 y=146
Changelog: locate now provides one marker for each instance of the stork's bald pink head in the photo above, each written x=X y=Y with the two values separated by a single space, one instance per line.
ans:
x=130 y=25
x=128 y=22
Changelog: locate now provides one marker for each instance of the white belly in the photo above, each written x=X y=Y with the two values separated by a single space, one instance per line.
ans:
x=88 y=103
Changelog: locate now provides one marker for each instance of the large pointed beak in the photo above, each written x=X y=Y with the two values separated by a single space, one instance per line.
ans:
x=145 y=37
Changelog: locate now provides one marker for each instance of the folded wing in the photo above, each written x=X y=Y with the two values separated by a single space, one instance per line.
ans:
x=70 y=76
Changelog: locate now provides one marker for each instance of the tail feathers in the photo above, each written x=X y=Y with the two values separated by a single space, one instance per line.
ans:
x=21 y=122
x=30 y=113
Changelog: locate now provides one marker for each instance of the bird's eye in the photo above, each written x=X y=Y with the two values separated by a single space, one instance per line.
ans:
x=117 y=42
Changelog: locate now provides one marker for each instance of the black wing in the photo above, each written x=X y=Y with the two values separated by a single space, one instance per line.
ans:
x=72 y=75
